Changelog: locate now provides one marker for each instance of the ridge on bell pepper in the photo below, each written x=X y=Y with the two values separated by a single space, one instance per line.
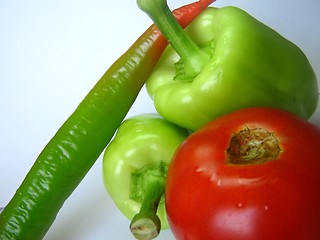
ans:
x=250 y=64
x=135 y=167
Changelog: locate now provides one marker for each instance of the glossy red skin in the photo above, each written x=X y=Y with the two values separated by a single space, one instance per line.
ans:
x=209 y=199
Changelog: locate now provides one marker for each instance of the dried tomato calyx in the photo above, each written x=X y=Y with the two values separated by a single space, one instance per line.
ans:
x=253 y=146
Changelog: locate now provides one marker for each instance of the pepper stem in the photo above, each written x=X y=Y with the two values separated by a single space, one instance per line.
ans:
x=190 y=53
x=146 y=224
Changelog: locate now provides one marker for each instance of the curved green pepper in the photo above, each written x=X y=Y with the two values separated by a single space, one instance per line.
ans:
x=135 y=167
x=249 y=65
x=72 y=151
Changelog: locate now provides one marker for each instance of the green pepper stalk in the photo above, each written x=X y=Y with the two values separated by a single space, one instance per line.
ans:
x=69 y=155
x=250 y=65
x=135 y=167
x=146 y=224
x=193 y=57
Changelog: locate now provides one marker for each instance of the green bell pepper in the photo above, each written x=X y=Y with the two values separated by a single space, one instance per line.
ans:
x=227 y=60
x=135 y=167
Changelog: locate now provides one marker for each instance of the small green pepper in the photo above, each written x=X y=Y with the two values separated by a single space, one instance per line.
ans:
x=135 y=168
x=75 y=147
x=227 y=60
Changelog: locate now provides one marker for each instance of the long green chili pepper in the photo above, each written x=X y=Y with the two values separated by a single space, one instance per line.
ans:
x=69 y=155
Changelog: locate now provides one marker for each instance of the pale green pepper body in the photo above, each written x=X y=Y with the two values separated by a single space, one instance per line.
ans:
x=141 y=151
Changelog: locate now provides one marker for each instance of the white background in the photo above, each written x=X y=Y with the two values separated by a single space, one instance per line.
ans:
x=53 y=52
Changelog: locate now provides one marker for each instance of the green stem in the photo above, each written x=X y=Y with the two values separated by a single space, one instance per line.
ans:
x=191 y=54
x=146 y=224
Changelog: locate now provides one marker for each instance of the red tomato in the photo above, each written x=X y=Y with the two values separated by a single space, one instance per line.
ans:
x=277 y=196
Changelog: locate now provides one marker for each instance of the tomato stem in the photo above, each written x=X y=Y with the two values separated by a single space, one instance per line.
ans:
x=146 y=224
x=253 y=146
x=192 y=56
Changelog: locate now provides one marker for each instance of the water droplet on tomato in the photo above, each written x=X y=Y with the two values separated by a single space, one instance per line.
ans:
x=219 y=182
x=240 y=205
